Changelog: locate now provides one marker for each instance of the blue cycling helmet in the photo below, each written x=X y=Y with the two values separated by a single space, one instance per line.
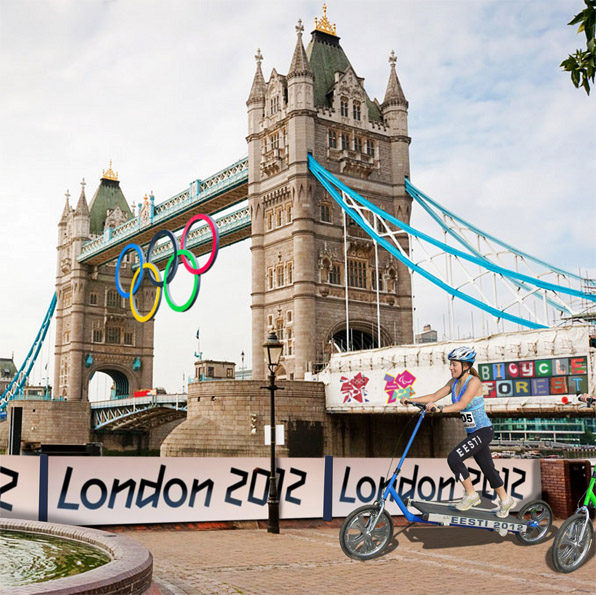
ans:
x=463 y=354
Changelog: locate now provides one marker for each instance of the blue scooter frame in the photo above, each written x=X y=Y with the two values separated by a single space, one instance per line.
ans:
x=366 y=532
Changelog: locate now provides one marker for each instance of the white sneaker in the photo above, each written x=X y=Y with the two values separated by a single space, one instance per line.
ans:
x=504 y=507
x=468 y=501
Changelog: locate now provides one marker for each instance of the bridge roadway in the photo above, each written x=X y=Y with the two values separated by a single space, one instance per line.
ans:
x=137 y=413
x=220 y=191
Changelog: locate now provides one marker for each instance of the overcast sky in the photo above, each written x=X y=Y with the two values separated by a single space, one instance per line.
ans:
x=499 y=134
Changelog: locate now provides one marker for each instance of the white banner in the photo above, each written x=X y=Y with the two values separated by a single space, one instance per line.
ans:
x=128 y=490
x=525 y=369
x=357 y=482
x=19 y=487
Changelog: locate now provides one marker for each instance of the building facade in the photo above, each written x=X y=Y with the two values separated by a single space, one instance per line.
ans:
x=300 y=262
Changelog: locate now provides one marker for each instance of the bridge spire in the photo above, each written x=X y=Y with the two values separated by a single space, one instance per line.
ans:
x=82 y=208
x=66 y=211
x=257 y=91
x=300 y=65
x=394 y=94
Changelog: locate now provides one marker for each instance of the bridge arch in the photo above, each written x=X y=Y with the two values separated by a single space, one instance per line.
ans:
x=363 y=335
x=124 y=383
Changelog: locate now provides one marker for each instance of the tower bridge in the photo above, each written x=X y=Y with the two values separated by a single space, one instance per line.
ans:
x=326 y=199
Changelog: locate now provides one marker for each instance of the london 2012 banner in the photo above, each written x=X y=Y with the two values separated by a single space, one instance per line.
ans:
x=132 y=490
x=516 y=369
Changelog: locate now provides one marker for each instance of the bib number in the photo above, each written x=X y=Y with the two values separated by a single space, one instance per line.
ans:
x=468 y=420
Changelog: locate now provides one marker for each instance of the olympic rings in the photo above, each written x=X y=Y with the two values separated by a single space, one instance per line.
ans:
x=170 y=270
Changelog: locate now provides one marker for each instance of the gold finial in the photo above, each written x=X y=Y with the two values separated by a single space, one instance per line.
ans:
x=67 y=195
x=324 y=25
x=109 y=174
x=259 y=56
x=83 y=184
x=146 y=197
x=392 y=58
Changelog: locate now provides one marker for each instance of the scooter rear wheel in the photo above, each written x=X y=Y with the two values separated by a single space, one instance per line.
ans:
x=356 y=538
x=539 y=516
x=568 y=552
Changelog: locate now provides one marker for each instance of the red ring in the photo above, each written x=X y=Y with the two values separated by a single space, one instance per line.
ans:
x=214 y=250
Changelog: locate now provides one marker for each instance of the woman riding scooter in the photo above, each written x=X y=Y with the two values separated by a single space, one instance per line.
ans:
x=467 y=399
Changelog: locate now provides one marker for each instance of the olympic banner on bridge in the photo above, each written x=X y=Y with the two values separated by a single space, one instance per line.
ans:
x=524 y=368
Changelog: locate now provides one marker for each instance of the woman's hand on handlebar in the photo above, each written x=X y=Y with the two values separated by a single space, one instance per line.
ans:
x=585 y=398
x=430 y=407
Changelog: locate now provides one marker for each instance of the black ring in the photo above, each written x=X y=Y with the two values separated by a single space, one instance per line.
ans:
x=172 y=273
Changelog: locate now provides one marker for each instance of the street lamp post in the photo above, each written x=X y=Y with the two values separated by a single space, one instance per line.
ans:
x=272 y=348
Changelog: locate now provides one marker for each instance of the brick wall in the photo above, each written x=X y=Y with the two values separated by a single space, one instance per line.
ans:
x=54 y=422
x=227 y=418
x=564 y=481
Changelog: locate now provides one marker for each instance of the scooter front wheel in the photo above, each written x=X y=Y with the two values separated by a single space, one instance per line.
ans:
x=538 y=517
x=357 y=537
x=569 y=551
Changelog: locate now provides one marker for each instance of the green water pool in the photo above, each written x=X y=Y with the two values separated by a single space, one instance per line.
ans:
x=33 y=558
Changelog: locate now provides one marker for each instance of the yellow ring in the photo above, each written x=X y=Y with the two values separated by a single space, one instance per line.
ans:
x=149 y=316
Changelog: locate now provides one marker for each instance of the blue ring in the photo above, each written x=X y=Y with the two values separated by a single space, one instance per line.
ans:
x=139 y=252
x=172 y=272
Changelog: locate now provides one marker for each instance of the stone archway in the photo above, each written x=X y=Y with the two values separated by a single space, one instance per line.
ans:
x=363 y=335
x=122 y=385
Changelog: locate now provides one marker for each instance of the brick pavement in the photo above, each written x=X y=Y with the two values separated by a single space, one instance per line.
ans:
x=421 y=560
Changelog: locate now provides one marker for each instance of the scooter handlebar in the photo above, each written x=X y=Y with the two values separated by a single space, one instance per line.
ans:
x=421 y=406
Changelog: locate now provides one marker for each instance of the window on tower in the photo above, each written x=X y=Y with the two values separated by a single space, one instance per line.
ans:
x=113 y=335
x=113 y=299
x=93 y=299
x=97 y=336
x=335 y=275
x=343 y=107
x=345 y=141
x=274 y=104
x=357 y=273
x=358 y=144
x=370 y=148
x=326 y=212
x=356 y=110
x=332 y=139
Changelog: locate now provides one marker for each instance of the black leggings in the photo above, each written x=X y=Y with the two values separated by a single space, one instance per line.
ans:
x=475 y=445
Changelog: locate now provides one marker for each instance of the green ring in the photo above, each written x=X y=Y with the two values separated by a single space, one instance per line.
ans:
x=197 y=284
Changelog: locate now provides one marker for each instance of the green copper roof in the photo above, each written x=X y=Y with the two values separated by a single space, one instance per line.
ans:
x=326 y=57
x=107 y=196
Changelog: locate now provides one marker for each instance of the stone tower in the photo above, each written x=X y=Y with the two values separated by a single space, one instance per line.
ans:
x=95 y=332
x=298 y=260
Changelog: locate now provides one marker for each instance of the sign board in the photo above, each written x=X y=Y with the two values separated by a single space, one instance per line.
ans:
x=529 y=368
x=19 y=487
x=357 y=482
x=129 y=490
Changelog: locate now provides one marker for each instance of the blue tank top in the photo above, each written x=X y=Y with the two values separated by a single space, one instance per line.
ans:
x=473 y=416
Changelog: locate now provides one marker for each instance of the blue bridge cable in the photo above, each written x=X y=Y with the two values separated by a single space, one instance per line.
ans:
x=421 y=200
x=323 y=173
x=331 y=184
x=417 y=194
x=391 y=249
x=22 y=375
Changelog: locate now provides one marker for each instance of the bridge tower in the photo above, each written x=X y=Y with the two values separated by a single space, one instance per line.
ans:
x=94 y=330
x=299 y=264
